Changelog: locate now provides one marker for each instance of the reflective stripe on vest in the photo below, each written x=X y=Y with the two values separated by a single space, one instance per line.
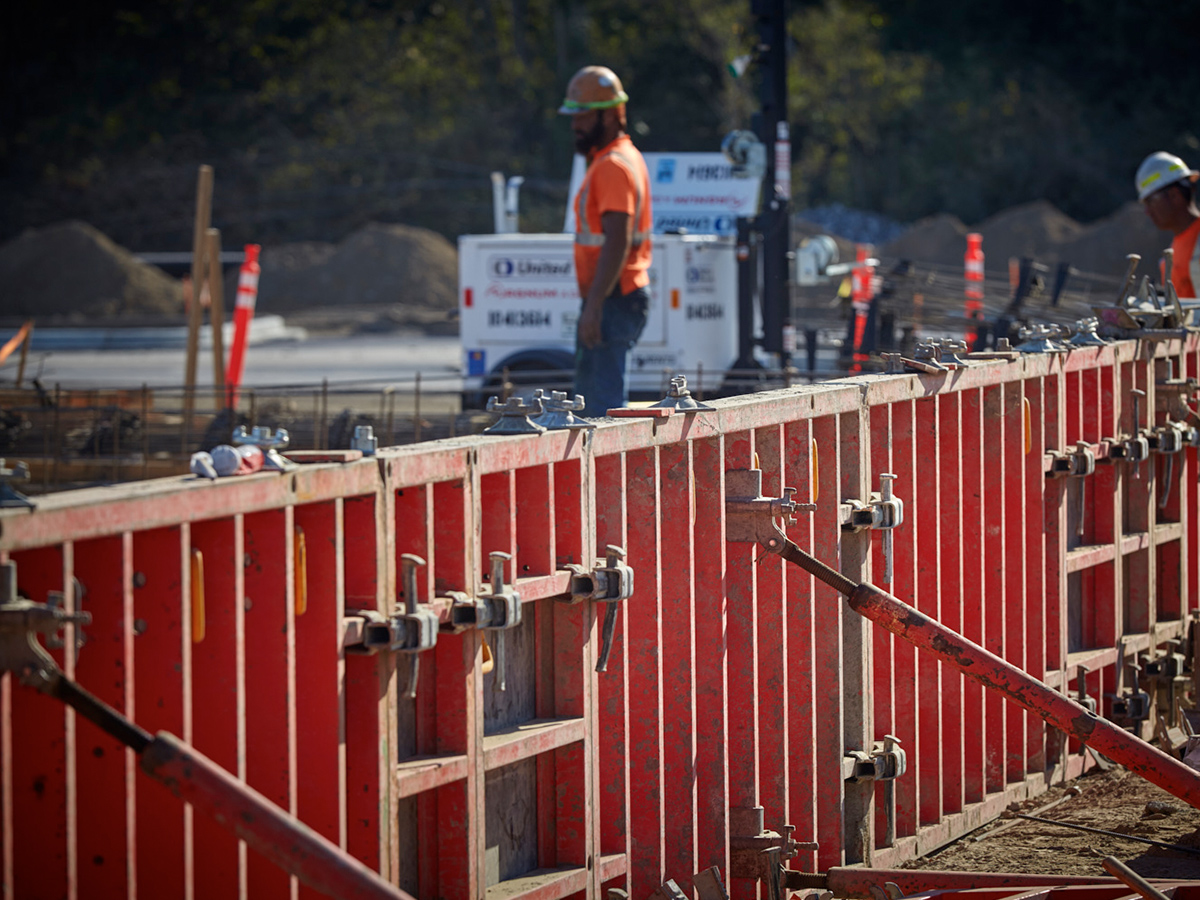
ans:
x=585 y=236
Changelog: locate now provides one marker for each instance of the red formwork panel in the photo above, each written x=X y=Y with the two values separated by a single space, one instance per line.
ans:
x=221 y=611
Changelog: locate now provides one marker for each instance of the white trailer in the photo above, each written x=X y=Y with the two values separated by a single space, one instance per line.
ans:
x=519 y=303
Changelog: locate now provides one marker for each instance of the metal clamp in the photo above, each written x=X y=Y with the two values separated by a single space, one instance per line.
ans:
x=1087 y=333
x=886 y=761
x=21 y=621
x=948 y=350
x=1073 y=463
x=882 y=512
x=364 y=440
x=558 y=413
x=679 y=398
x=270 y=442
x=1081 y=694
x=514 y=416
x=411 y=632
x=609 y=583
x=10 y=496
x=1131 y=705
x=499 y=611
x=1040 y=339
x=751 y=517
x=755 y=852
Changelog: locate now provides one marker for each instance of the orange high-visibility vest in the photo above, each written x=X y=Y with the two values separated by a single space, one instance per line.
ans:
x=616 y=181
x=1185 y=270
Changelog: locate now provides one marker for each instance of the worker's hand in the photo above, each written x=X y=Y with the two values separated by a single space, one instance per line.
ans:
x=589 y=333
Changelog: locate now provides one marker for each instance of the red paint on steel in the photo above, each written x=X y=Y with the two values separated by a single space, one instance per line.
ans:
x=1190 y=491
x=162 y=650
x=827 y=654
x=612 y=685
x=320 y=765
x=908 y=455
x=1028 y=692
x=712 y=709
x=269 y=830
x=535 y=522
x=679 y=660
x=974 y=543
x=949 y=527
x=884 y=685
x=367 y=678
x=571 y=510
x=1034 y=638
x=103 y=778
x=218 y=685
x=270 y=678
x=992 y=563
x=846 y=882
x=802 y=625
x=742 y=649
x=577 y=816
x=39 y=754
x=772 y=601
x=927 y=500
x=1012 y=617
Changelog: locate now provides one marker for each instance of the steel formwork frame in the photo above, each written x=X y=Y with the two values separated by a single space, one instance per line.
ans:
x=220 y=612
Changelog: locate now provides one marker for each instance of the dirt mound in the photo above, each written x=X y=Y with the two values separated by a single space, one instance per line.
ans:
x=71 y=269
x=940 y=239
x=1041 y=231
x=394 y=265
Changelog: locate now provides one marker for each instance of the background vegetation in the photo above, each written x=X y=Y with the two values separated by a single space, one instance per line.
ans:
x=321 y=115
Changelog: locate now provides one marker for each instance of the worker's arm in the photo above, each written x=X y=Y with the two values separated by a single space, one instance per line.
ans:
x=618 y=238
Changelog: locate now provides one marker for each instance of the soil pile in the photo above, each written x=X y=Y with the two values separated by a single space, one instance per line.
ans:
x=388 y=265
x=71 y=269
x=1040 y=231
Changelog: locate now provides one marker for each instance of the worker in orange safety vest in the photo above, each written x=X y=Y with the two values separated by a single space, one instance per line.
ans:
x=1167 y=190
x=612 y=238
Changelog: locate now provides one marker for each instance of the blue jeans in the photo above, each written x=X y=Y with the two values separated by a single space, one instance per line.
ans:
x=600 y=370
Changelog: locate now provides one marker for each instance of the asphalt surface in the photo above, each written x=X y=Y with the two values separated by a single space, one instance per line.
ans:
x=367 y=360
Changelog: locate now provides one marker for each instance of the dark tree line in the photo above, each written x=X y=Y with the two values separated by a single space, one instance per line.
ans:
x=320 y=115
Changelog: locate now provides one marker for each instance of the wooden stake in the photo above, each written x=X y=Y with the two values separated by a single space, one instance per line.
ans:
x=204 y=188
x=216 y=311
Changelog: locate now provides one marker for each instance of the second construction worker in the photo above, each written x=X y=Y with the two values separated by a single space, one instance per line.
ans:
x=1166 y=188
x=612 y=238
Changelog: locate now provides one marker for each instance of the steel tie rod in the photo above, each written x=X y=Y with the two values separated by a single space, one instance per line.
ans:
x=991 y=671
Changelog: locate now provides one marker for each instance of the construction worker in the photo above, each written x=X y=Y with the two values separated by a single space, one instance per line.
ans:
x=612 y=238
x=1166 y=188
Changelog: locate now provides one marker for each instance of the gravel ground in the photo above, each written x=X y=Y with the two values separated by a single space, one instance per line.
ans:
x=1114 y=801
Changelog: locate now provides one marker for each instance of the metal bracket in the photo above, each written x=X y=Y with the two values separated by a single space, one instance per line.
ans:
x=882 y=512
x=10 y=496
x=21 y=621
x=270 y=442
x=1040 y=339
x=1081 y=694
x=558 y=413
x=1131 y=705
x=1071 y=463
x=750 y=517
x=887 y=761
x=364 y=440
x=501 y=611
x=755 y=852
x=411 y=632
x=679 y=398
x=1087 y=333
x=514 y=416
x=609 y=583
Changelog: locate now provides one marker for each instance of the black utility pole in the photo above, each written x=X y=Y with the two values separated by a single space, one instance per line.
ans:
x=774 y=220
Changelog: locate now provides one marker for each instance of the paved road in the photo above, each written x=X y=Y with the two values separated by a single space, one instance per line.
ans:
x=373 y=360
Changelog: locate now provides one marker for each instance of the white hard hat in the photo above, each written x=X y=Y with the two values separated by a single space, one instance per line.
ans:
x=1159 y=170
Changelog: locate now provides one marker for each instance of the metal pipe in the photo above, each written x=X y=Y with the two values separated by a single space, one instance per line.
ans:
x=283 y=839
x=1028 y=692
x=995 y=673
x=1126 y=875
x=856 y=882
x=1115 y=834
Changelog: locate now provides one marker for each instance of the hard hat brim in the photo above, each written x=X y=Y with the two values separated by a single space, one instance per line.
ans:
x=574 y=107
x=1154 y=187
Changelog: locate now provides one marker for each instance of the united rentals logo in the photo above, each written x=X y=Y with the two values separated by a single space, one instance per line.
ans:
x=529 y=267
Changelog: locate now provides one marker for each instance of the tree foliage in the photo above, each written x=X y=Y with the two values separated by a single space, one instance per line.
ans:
x=323 y=114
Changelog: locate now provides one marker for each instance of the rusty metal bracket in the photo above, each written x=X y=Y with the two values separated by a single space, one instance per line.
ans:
x=883 y=511
x=500 y=611
x=755 y=852
x=752 y=518
x=886 y=761
x=514 y=416
x=21 y=621
x=609 y=583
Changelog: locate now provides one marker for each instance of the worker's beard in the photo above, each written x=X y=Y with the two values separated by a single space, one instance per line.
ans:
x=590 y=140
